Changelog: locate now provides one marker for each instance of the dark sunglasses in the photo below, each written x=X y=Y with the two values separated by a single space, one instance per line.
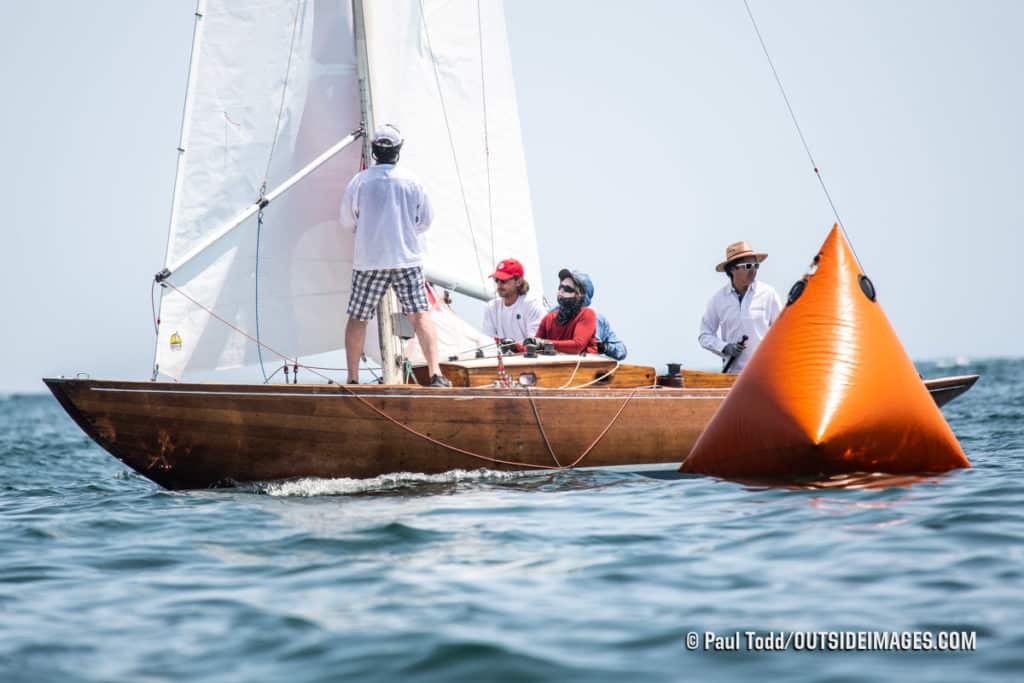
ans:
x=746 y=266
x=567 y=289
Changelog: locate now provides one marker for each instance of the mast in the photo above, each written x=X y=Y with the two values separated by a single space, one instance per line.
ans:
x=389 y=345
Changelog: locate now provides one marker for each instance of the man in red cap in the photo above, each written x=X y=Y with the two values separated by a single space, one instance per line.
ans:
x=513 y=314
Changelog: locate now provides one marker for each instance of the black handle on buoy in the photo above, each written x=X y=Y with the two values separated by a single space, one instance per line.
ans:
x=729 y=361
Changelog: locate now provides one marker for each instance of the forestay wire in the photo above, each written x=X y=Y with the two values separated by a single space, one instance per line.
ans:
x=796 y=124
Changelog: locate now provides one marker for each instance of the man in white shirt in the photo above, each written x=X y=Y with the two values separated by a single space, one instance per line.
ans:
x=738 y=316
x=388 y=210
x=514 y=314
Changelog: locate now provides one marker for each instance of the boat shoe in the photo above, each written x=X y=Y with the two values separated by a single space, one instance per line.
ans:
x=439 y=381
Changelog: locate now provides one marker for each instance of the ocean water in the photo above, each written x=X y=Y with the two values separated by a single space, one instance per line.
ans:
x=576 y=576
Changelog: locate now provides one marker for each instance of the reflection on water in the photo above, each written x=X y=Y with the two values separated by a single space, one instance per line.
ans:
x=853 y=480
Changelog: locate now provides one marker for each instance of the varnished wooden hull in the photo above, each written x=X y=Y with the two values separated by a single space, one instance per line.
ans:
x=199 y=435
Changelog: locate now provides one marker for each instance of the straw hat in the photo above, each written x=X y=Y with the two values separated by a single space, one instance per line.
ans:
x=738 y=250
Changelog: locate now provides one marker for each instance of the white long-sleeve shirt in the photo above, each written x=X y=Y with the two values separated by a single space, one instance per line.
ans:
x=518 y=321
x=388 y=210
x=727 y=319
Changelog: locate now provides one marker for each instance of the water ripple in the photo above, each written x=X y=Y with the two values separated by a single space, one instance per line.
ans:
x=468 y=576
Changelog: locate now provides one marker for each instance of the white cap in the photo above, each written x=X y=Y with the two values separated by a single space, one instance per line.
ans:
x=387 y=136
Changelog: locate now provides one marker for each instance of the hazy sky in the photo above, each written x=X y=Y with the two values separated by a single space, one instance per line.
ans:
x=654 y=134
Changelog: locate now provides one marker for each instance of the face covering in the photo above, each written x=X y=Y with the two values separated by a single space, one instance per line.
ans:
x=568 y=309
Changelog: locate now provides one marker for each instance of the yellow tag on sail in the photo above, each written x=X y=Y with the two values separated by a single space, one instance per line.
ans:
x=829 y=390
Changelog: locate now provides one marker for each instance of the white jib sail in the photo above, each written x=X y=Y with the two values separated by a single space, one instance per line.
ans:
x=274 y=84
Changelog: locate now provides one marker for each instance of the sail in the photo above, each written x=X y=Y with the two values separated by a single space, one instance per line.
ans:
x=455 y=337
x=273 y=85
x=442 y=73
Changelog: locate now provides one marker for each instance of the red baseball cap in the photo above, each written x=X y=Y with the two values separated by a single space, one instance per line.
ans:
x=507 y=269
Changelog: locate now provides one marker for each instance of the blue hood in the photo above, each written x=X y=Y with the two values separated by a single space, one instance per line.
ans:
x=583 y=280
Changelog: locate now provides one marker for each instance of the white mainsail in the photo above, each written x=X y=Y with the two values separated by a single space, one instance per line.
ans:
x=273 y=85
x=442 y=73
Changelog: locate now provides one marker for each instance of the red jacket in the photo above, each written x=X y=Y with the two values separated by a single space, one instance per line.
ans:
x=576 y=336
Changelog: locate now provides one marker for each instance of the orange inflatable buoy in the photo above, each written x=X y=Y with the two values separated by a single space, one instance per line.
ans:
x=829 y=390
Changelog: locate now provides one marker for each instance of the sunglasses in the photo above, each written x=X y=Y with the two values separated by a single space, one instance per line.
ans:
x=745 y=266
x=567 y=289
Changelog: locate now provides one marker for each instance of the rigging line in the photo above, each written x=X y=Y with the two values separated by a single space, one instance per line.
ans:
x=212 y=314
x=256 y=285
x=275 y=373
x=263 y=187
x=338 y=370
x=284 y=88
x=487 y=140
x=540 y=425
x=579 y=361
x=451 y=141
x=600 y=436
x=796 y=124
x=152 y=306
x=599 y=378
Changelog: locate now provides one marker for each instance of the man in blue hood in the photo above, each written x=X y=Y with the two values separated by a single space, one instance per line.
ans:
x=608 y=342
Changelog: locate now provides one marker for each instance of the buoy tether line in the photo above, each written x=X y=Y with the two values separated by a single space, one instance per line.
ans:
x=799 y=131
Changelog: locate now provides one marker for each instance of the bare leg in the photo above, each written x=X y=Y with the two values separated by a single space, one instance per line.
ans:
x=355 y=338
x=426 y=333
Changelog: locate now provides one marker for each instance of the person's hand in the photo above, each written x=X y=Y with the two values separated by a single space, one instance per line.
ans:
x=535 y=341
x=732 y=350
x=507 y=345
x=600 y=346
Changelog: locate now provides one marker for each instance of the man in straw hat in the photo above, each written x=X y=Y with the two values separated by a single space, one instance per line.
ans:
x=738 y=315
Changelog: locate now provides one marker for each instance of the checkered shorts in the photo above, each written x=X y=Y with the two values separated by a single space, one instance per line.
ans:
x=368 y=286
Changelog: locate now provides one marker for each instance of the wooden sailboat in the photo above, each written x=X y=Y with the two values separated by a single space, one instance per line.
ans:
x=256 y=265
